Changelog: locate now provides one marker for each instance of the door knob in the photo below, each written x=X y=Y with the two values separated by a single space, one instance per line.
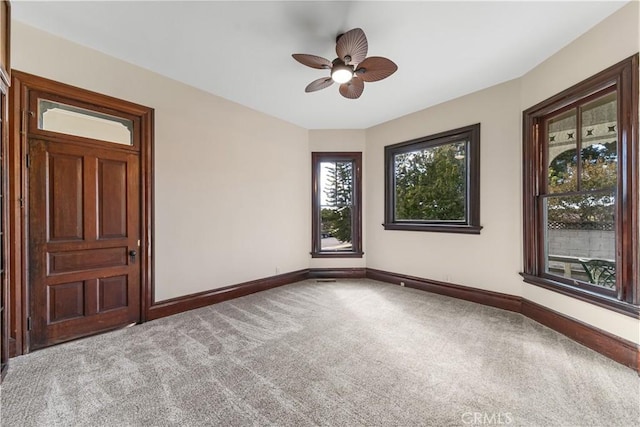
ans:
x=132 y=255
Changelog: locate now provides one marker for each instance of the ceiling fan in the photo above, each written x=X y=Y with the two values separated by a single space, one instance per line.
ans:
x=351 y=68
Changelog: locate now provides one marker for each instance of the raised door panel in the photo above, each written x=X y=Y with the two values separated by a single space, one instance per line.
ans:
x=65 y=197
x=112 y=199
x=112 y=293
x=66 y=301
x=70 y=261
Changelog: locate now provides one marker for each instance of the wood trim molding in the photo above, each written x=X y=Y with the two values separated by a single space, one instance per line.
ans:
x=337 y=273
x=147 y=228
x=16 y=238
x=616 y=348
x=480 y=296
x=202 y=299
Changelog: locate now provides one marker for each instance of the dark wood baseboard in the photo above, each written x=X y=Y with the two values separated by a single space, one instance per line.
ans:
x=202 y=299
x=481 y=296
x=337 y=273
x=614 y=347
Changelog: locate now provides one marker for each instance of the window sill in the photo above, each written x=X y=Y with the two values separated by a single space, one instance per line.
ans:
x=584 y=295
x=337 y=254
x=438 y=228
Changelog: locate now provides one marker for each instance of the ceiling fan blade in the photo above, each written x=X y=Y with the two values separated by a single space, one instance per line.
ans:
x=376 y=68
x=354 y=44
x=352 y=89
x=319 y=84
x=312 y=61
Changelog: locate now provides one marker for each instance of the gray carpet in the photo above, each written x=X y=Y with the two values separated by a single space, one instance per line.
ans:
x=348 y=353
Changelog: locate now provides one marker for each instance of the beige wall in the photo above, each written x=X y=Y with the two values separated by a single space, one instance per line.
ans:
x=230 y=203
x=490 y=260
x=493 y=259
x=609 y=42
x=341 y=140
x=233 y=185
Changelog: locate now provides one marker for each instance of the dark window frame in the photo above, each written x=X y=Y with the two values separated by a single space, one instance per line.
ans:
x=471 y=223
x=356 y=214
x=623 y=78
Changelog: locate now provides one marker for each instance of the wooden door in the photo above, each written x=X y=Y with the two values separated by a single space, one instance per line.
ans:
x=80 y=212
x=84 y=199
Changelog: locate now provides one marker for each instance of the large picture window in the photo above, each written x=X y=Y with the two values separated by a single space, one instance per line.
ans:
x=433 y=183
x=581 y=190
x=336 y=204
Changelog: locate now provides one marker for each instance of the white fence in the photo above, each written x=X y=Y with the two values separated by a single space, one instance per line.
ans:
x=582 y=243
x=567 y=247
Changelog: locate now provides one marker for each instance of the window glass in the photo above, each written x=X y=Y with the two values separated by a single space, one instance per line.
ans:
x=580 y=220
x=430 y=183
x=71 y=120
x=580 y=231
x=336 y=197
x=562 y=149
x=599 y=153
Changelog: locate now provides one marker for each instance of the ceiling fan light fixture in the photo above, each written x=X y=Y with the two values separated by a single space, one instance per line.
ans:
x=341 y=73
x=351 y=68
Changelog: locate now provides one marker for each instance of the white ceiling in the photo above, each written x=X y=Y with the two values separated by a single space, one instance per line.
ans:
x=242 y=50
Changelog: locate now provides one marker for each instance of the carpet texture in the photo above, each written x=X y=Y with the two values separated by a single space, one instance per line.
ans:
x=349 y=353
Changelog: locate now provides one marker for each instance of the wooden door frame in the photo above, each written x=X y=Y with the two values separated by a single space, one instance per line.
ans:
x=17 y=264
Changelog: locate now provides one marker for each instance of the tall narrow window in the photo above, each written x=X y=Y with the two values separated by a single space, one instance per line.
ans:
x=336 y=188
x=581 y=190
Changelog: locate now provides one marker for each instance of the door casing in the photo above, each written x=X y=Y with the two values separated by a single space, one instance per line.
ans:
x=17 y=229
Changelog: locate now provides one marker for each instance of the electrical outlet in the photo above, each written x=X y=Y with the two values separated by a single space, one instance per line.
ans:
x=277 y=270
x=401 y=283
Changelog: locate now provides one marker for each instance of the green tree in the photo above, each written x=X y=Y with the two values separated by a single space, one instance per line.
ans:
x=338 y=189
x=431 y=184
x=598 y=165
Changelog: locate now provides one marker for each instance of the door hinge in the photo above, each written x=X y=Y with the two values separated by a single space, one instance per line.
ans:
x=21 y=202
x=29 y=323
x=28 y=161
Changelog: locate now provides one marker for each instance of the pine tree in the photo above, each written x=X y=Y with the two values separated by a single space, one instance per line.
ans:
x=336 y=220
